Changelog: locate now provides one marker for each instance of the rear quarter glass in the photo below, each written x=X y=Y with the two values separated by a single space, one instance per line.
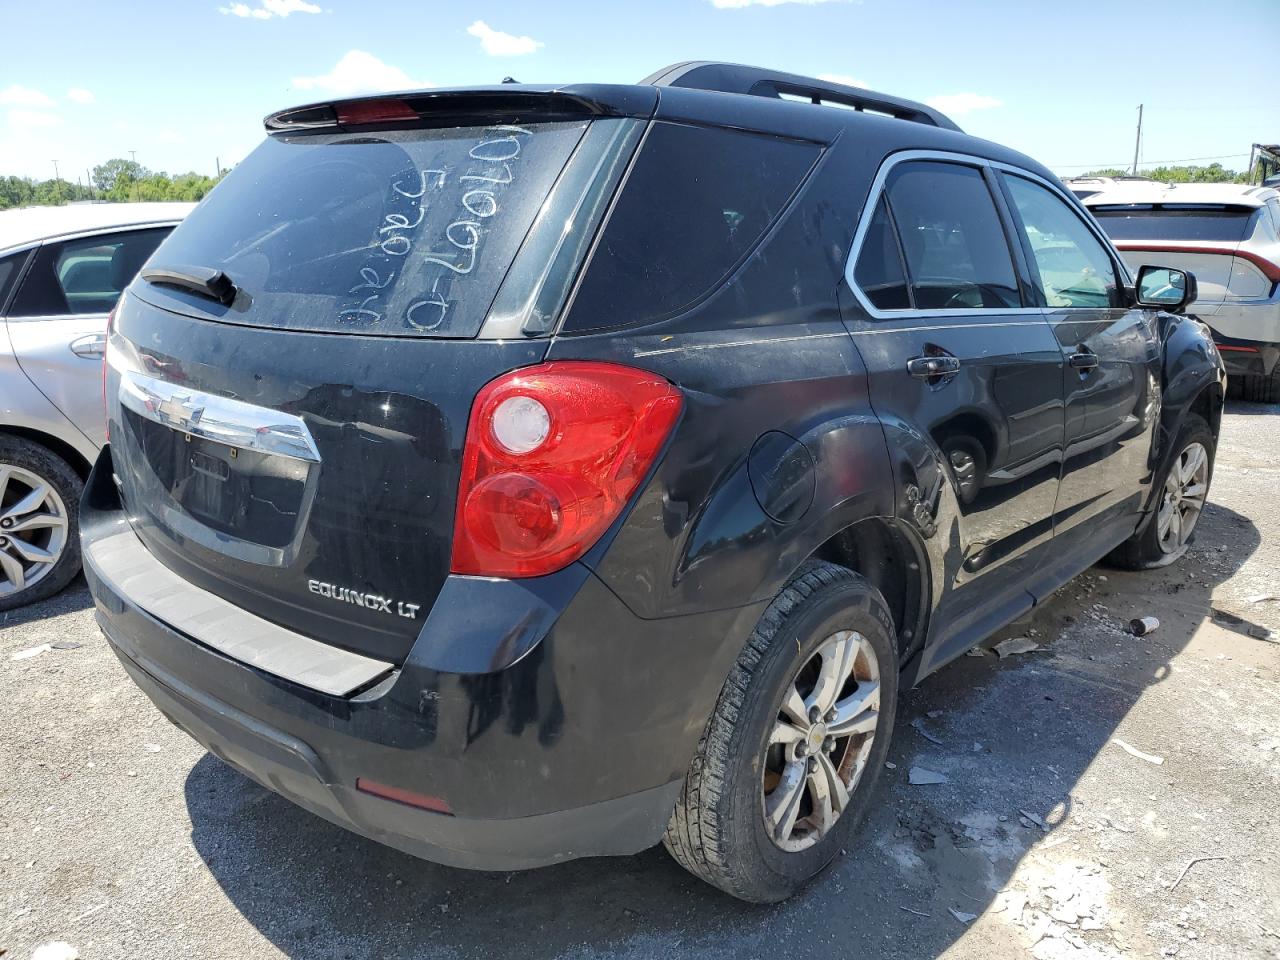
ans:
x=397 y=233
x=695 y=204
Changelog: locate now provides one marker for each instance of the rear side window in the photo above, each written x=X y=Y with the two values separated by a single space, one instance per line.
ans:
x=696 y=202
x=83 y=276
x=1074 y=267
x=399 y=233
x=955 y=248
x=1171 y=221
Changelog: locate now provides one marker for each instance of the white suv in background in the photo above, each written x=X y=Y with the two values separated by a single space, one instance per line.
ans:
x=61 y=272
x=1228 y=235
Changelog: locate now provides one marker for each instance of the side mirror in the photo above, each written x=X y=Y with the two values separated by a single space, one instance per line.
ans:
x=1165 y=288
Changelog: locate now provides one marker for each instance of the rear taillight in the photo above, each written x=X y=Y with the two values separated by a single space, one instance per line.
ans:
x=552 y=455
x=106 y=347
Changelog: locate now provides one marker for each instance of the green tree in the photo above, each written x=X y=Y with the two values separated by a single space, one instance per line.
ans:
x=116 y=176
x=1213 y=173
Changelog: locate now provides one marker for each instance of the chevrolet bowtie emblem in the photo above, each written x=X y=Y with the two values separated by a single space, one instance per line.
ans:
x=180 y=411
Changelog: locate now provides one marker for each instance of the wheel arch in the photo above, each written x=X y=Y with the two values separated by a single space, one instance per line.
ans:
x=889 y=556
x=75 y=459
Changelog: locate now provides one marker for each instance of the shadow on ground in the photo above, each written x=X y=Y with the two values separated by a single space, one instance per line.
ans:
x=1015 y=736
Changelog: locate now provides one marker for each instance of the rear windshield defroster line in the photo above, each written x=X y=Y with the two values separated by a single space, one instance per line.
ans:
x=401 y=233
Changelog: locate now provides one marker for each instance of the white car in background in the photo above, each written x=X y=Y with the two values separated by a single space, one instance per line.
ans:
x=1228 y=235
x=61 y=272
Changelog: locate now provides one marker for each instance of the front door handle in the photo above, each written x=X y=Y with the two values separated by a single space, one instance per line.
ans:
x=1085 y=360
x=91 y=345
x=926 y=368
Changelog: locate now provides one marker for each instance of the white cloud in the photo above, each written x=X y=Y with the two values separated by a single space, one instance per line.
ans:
x=499 y=44
x=30 y=119
x=959 y=104
x=267 y=9
x=16 y=96
x=80 y=95
x=738 y=4
x=359 y=72
x=843 y=78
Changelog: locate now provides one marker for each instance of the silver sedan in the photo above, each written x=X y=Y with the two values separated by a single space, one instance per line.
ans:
x=61 y=272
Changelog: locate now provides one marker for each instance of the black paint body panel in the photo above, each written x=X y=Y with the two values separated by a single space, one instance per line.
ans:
x=589 y=686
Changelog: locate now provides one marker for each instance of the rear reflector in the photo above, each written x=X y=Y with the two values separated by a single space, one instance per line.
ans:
x=374 y=111
x=420 y=800
x=1222 y=348
x=553 y=453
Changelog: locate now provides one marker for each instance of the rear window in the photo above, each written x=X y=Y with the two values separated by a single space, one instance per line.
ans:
x=1220 y=224
x=403 y=233
x=696 y=202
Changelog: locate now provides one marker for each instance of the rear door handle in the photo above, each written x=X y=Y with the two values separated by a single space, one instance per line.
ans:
x=90 y=345
x=1083 y=361
x=926 y=368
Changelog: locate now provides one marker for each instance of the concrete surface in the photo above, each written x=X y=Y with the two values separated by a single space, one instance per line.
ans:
x=119 y=836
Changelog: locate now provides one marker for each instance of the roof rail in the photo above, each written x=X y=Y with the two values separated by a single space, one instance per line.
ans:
x=758 y=82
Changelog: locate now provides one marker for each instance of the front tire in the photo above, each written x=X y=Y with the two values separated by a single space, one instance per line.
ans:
x=791 y=755
x=39 y=525
x=1183 y=492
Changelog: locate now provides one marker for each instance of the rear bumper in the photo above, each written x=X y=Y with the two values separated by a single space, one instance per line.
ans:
x=292 y=768
x=1246 y=357
x=577 y=748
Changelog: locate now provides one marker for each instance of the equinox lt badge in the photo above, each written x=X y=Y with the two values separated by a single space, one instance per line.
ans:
x=370 y=601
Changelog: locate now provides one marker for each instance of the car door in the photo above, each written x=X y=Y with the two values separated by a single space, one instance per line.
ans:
x=1111 y=374
x=57 y=317
x=966 y=377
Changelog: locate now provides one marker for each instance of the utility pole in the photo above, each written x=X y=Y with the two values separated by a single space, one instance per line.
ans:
x=55 y=170
x=217 y=165
x=133 y=155
x=88 y=178
x=1138 y=142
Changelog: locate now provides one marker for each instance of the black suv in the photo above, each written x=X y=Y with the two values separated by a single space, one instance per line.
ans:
x=526 y=473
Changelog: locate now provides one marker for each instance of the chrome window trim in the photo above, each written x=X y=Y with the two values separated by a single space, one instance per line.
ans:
x=216 y=418
x=965 y=159
x=96 y=315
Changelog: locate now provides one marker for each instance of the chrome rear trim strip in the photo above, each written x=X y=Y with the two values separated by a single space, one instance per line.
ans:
x=216 y=418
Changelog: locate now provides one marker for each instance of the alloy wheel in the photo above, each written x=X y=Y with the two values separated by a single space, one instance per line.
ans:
x=1185 y=490
x=820 y=742
x=33 y=528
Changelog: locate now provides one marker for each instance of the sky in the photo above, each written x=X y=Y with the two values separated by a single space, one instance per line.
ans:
x=184 y=84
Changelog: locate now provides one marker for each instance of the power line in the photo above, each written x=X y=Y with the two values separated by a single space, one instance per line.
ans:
x=1144 y=163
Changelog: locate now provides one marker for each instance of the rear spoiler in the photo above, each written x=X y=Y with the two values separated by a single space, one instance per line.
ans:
x=474 y=106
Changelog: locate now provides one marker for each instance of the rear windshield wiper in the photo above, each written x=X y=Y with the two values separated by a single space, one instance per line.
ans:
x=205 y=281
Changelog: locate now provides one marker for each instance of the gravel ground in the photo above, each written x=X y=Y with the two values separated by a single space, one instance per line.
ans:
x=123 y=838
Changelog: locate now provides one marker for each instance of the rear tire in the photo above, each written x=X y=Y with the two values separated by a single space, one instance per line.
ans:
x=1159 y=543
x=1262 y=388
x=39 y=535
x=753 y=755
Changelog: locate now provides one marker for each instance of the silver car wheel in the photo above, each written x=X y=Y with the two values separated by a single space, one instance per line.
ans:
x=1182 y=502
x=33 y=528
x=819 y=745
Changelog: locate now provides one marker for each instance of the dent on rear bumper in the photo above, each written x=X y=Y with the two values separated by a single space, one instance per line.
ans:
x=575 y=748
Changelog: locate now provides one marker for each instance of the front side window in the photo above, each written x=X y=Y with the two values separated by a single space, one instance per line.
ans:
x=84 y=276
x=955 y=248
x=1074 y=267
